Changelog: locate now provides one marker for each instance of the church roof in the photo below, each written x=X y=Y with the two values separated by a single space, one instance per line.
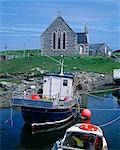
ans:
x=59 y=20
x=81 y=38
x=93 y=47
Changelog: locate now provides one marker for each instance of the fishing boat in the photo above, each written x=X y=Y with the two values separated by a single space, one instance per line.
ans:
x=82 y=136
x=54 y=103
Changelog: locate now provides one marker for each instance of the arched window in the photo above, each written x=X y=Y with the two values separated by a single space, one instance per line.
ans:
x=54 y=40
x=59 y=38
x=64 y=40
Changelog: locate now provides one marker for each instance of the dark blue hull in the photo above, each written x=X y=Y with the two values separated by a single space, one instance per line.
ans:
x=46 y=116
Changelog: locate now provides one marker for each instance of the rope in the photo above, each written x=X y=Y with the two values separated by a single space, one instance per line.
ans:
x=102 y=109
x=110 y=122
x=102 y=91
x=107 y=109
x=10 y=118
x=97 y=96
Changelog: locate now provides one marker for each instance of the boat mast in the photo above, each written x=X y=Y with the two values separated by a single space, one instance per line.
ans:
x=62 y=64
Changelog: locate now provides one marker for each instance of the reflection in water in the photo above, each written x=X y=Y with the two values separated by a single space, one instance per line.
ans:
x=84 y=101
x=42 y=139
x=23 y=138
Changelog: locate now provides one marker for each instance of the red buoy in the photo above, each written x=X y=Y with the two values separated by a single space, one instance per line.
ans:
x=35 y=97
x=86 y=114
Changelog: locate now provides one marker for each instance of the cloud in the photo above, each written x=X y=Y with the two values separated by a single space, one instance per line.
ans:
x=20 y=35
x=8 y=14
x=20 y=31
x=24 y=28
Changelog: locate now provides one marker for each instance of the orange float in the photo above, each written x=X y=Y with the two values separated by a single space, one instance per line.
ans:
x=35 y=97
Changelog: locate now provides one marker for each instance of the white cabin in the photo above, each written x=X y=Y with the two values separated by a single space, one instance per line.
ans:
x=58 y=86
x=116 y=73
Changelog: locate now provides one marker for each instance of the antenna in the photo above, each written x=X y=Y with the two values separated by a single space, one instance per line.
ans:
x=24 y=50
x=5 y=48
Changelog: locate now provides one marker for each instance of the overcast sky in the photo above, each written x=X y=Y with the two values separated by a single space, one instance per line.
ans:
x=23 y=21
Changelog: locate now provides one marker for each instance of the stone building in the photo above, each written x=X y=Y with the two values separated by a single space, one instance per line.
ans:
x=60 y=39
x=100 y=49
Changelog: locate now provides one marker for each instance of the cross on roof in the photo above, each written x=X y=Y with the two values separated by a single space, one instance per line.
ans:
x=59 y=13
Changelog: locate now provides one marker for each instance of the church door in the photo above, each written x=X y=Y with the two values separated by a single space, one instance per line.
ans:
x=81 y=50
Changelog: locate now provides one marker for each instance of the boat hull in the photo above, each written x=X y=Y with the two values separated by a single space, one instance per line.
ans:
x=41 y=116
x=117 y=81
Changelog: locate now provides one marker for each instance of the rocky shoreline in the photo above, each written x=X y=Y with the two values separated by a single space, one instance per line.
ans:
x=83 y=83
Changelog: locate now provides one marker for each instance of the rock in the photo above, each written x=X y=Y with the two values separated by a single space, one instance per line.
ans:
x=83 y=82
x=87 y=82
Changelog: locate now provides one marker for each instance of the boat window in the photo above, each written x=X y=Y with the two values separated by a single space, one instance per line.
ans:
x=65 y=82
x=80 y=140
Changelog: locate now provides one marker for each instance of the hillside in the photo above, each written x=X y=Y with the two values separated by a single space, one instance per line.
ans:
x=33 y=59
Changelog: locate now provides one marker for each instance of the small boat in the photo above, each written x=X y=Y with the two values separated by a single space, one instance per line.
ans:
x=82 y=136
x=116 y=76
x=54 y=103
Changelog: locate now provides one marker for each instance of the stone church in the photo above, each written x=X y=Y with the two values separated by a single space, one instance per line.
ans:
x=60 y=39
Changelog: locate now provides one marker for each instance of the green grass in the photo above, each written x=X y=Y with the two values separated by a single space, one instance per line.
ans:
x=73 y=64
x=20 y=53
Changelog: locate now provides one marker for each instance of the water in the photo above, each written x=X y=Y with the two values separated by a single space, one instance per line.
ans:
x=17 y=136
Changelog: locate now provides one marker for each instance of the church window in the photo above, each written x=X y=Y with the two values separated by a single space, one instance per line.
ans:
x=64 y=40
x=54 y=40
x=59 y=38
x=58 y=43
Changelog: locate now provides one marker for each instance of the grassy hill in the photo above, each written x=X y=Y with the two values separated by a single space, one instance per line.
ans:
x=72 y=64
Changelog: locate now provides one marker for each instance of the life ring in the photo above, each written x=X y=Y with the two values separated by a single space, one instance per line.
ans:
x=88 y=127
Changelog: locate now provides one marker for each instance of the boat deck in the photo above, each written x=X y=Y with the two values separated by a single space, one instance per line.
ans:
x=42 y=103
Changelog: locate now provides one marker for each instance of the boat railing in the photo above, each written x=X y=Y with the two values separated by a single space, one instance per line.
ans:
x=26 y=96
x=71 y=148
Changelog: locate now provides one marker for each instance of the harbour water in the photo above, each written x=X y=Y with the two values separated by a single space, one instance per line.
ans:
x=15 y=135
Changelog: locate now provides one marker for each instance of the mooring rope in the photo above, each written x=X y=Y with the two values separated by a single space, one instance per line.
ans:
x=98 y=97
x=105 y=109
x=110 y=122
x=102 y=91
x=10 y=118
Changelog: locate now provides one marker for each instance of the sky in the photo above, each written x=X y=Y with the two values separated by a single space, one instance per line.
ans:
x=23 y=21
